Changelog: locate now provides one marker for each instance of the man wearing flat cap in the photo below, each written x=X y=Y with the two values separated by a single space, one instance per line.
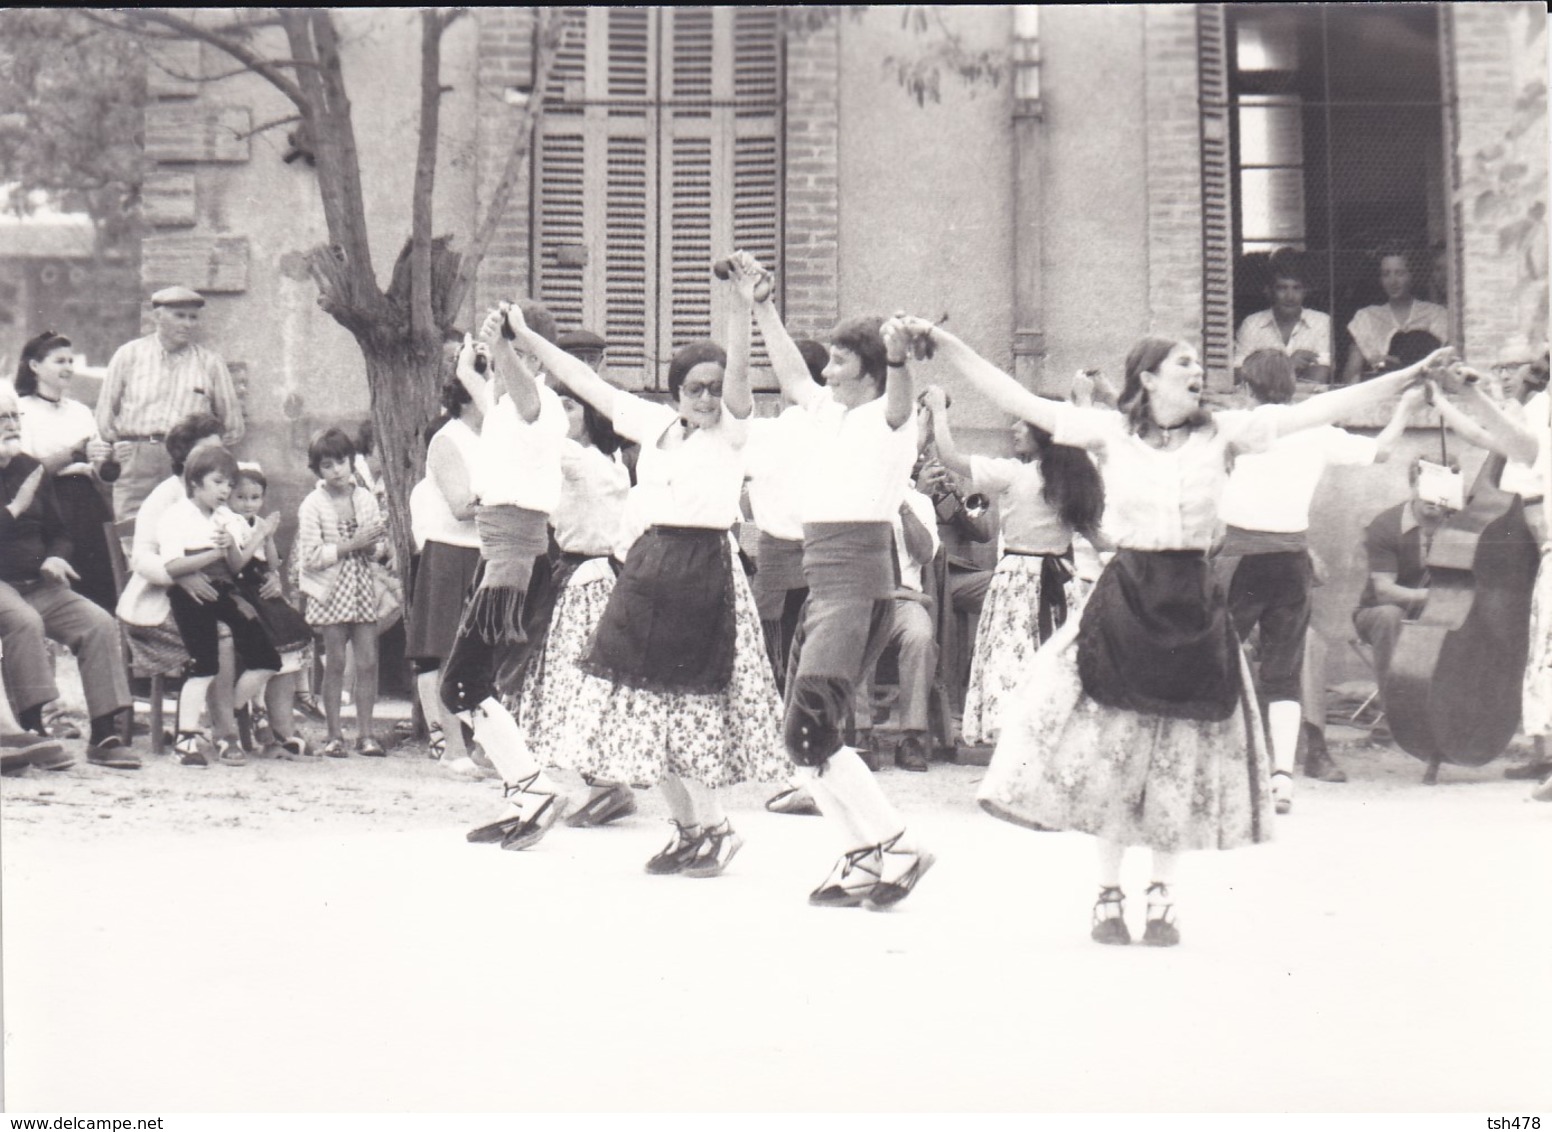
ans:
x=152 y=384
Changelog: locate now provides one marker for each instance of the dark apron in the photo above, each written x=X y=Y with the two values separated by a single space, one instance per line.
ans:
x=1155 y=637
x=669 y=624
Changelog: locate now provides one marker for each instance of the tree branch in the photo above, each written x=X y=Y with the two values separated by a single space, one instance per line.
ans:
x=422 y=324
x=268 y=69
x=286 y=121
x=550 y=30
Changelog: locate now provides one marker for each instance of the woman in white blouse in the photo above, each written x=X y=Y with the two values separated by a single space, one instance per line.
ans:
x=62 y=434
x=442 y=507
x=586 y=525
x=1138 y=721
x=678 y=691
x=1372 y=328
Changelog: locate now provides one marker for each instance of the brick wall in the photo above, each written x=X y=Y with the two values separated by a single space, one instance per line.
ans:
x=505 y=62
x=1485 y=90
x=811 y=265
x=1173 y=170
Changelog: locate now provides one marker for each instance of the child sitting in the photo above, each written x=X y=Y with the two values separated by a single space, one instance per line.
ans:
x=288 y=632
x=199 y=533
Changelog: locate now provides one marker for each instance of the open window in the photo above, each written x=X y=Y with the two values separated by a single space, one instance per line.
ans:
x=1335 y=121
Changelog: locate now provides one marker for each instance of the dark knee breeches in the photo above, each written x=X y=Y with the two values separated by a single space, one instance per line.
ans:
x=835 y=644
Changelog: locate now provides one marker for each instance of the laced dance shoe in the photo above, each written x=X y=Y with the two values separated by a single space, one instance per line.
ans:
x=679 y=852
x=716 y=848
x=1161 y=930
x=899 y=871
x=851 y=880
x=1109 y=924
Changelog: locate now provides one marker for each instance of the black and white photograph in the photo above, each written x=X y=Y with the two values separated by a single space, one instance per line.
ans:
x=866 y=560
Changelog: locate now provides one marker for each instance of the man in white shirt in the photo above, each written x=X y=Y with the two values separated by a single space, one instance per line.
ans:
x=1304 y=335
x=1265 y=507
x=861 y=447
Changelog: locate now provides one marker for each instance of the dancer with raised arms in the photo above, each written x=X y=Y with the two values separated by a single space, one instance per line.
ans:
x=1137 y=722
x=677 y=690
x=861 y=445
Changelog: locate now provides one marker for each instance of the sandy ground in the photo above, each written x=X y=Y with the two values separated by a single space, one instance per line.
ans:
x=318 y=936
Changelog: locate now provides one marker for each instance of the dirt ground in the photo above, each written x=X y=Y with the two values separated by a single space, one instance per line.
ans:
x=317 y=936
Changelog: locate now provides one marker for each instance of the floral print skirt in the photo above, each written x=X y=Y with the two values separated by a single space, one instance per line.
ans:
x=1065 y=762
x=546 y=707
x=1008 y=635
x=637 y=736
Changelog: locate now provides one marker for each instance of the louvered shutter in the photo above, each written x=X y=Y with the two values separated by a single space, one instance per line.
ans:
x=660 y=149
x=596 y=204
x=721 y=162
x=1217 y=198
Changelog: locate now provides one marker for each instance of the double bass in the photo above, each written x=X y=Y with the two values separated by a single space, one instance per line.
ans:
x=1452 y=694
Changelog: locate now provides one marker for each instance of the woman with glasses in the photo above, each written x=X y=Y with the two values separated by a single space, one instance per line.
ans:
x=677 y=689
x=61 y=434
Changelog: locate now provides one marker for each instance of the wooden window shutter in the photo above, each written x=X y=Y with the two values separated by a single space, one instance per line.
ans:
x=1217 y=197
x=596 y=204
x=721 y=140
x=660 y=149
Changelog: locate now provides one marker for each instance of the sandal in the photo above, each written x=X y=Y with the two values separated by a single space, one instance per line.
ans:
x=716 y=847
x=851 y=880
x=438 y=742
x=1161 y=930
x=602 y=808
x=510 y=819
x=677 y=853
x=369 y=746
x=189 y=749
x=229 y=753
x=888 y=893
x=1109 y=925
x=534 y=826
x=335 y=749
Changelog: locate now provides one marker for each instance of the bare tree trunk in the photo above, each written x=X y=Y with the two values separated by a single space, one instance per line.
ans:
x=405 y=386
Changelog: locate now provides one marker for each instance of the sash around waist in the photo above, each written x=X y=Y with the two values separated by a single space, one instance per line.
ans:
x=849 y=561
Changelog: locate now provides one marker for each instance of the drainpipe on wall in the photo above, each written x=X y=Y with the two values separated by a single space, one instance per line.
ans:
x=1028 y=114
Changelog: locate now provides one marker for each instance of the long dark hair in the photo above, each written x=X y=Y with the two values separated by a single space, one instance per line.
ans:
x=36 y=349
x=1072 y=483
x=600 y=433
x=1146 y=357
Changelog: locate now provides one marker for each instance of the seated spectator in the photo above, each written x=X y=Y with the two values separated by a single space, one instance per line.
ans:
x=36 y=601
x=1373 y=328
x=912 y=630
x=1287 y=326
x=966 y=529
x=62 y=433
x=20 y=748
x=1396 y=542
x=154 y=642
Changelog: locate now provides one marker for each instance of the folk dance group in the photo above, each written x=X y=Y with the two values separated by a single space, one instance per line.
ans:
x=1135 y=721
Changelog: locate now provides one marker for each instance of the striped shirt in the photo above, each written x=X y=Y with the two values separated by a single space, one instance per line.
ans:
x=148 y=390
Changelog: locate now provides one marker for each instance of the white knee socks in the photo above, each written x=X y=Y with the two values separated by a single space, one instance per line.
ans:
x=868 y=815
x=496 y=731
x=1283 y=718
